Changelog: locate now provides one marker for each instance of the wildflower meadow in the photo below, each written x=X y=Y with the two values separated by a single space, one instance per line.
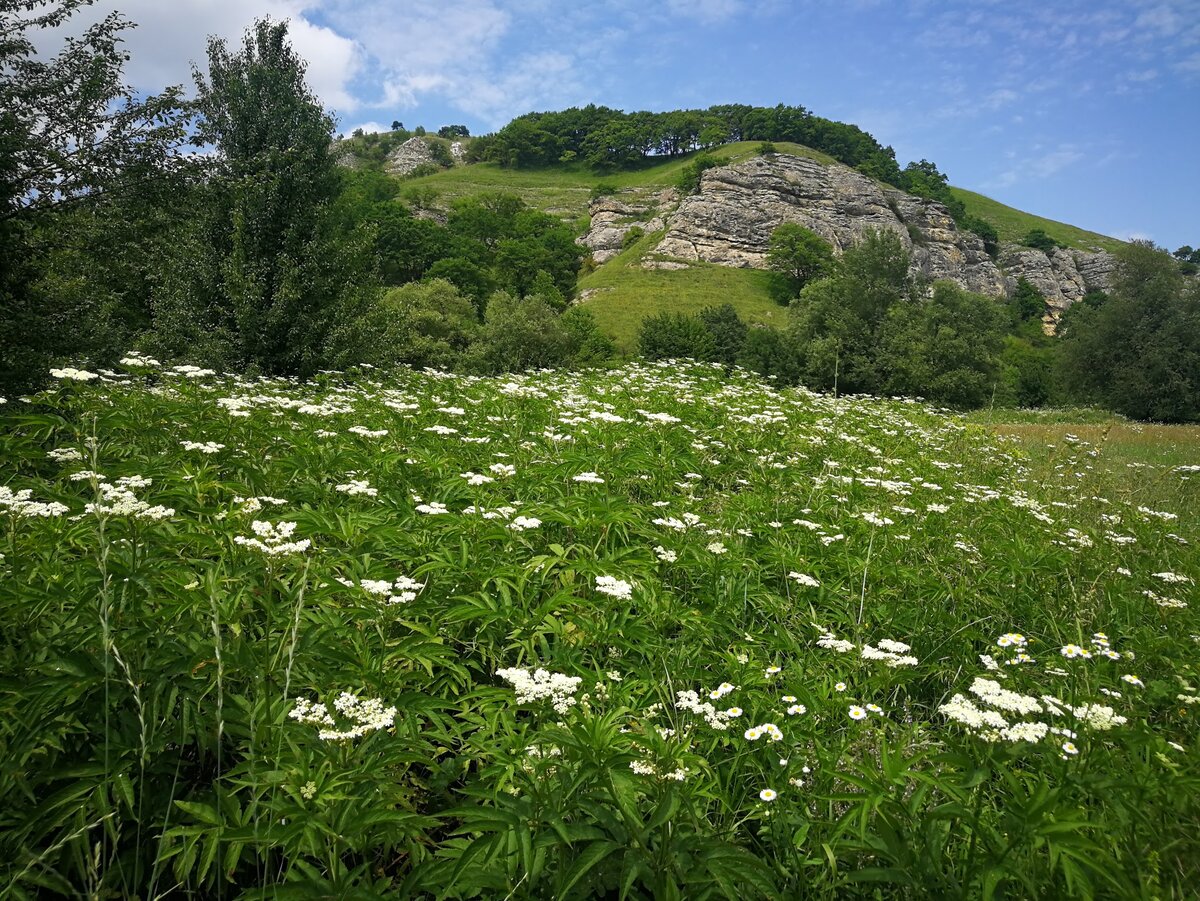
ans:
x=663 y=631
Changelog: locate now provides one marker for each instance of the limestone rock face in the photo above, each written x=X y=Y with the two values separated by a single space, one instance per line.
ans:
x=408 y=156
x=731 y=219
x=613 y=218
x=1061 y=276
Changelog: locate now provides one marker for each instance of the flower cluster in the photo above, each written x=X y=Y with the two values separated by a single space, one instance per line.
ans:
x=542 y=685
x=359 y=716
x=273 y=539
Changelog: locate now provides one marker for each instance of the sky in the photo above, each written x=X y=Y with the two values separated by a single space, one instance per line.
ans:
x=1084 y=112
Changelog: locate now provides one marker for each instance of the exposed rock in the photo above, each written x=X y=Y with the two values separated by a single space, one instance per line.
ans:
x=1096 y=269
x=731 y=219
x=345 y=157
x=664 y=264
x=410 y=155
x=1061 y=276
x=612 y=220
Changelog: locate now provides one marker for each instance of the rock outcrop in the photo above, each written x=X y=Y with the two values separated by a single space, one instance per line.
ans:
x=729 y=221
x=409 y=156
x=1061 y=276
x=613 y=219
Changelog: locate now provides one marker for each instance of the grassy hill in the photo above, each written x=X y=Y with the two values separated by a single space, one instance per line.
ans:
x=566 y=190
x=622 y=291
x=1013 y=224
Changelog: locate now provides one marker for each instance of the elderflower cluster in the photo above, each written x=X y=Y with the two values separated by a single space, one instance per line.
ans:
x=717 y=719
x=401 y=591
x=74 y=375
x=614 y=587
x=542 y=685
x=356 y=487
x=18 y=504
x=360 y=716
x=893 y=653
x=833 y=643
x=274 y=540
x=204 y=447
x=118 y=500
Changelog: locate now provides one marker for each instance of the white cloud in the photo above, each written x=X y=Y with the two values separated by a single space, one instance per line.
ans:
x=172 y=35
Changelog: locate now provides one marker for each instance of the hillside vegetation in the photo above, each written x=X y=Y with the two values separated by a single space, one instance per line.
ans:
x=1013 y=225
x=566 y=189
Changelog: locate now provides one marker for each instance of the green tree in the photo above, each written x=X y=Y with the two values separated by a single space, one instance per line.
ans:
x=421 y=324
x=1026 y=303
x=273 y=272
x=945 y=347
x=837 y=320
x=588 y=345
x=675 y=336
x=1139 y=353
x=728 y=332
x=73 y=139
x=796 y=255
x=519 y=333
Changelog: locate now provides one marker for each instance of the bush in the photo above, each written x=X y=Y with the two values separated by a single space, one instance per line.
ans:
x=603 y=189
x=588 y=345
x=675 y=336
x=728 y=333
x=1039 y=240
x=421 y=324
x=518 y=334
x=796 y=255
x=689 y=176
x=632 y=236
x=764 y=148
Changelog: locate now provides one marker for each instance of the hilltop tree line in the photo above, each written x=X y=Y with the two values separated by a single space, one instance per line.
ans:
x=261 y=254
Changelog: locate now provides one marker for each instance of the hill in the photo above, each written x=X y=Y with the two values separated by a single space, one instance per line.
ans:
x=713 y=244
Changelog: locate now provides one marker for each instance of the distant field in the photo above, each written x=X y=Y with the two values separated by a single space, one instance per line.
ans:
x=1135 y=462
x=1013 y=224
x=625 y=292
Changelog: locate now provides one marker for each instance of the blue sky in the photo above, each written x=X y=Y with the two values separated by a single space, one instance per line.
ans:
x=1087 y=112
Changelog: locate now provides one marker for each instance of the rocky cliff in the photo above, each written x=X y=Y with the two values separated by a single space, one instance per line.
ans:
x=730 y=219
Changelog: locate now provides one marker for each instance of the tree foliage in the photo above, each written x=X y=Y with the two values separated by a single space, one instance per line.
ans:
x=796 y=255
x=270 y=271
x=1139 y=352
x=73 y=140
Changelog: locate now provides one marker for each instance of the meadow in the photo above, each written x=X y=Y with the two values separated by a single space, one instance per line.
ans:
x=655 y=632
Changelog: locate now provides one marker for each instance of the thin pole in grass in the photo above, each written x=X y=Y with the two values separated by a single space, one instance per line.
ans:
x=862 y=596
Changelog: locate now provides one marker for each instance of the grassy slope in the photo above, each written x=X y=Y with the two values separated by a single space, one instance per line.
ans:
x=566 y=190
x=1013 y=224
x=624 y=293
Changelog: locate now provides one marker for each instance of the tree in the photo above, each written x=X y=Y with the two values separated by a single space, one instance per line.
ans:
x=397 y=125
x=1026 y=303
x=454 y=131
x=675 y=336
x=518 y=334
x=945 y=347
x=728 y=332
x=272 y=271
x=796 y=255
x=837 y=320
x=1139 y=352
x=71 y=135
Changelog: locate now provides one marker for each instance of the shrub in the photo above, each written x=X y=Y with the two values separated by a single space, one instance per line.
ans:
x=666 y=336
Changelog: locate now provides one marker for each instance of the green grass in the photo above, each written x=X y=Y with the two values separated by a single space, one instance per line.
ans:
x=661 y=631
x=566 y=190
x=1013 y=224
x=625 y=293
